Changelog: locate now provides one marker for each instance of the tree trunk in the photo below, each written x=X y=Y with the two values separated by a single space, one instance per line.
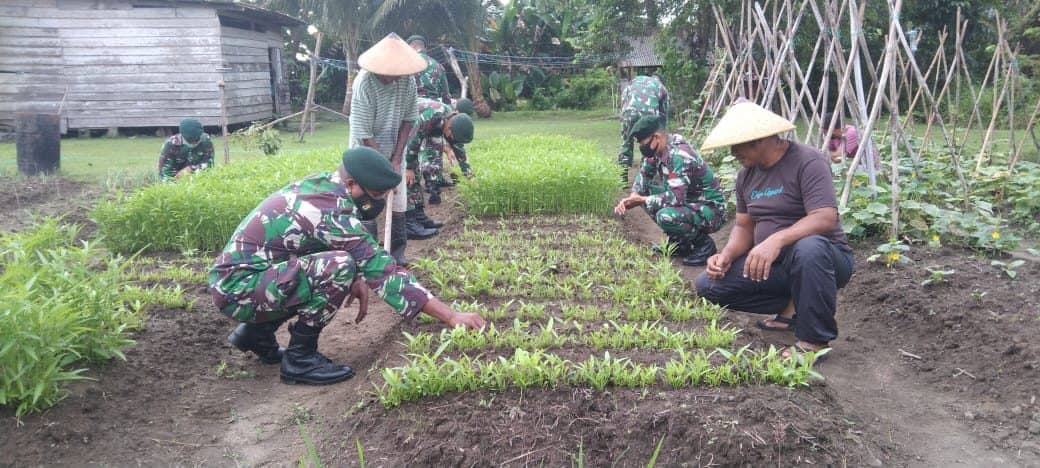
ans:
x=479 y=104
x=350 y=46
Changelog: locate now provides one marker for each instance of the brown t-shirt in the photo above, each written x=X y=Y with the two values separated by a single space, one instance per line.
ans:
x=780 y=196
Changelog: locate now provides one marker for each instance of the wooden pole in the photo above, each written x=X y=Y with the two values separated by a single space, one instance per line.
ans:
x=886 y=72
x=893 y=108
x=223 y=121
x=463 y=80
x=310 y=87
x=1028 y=131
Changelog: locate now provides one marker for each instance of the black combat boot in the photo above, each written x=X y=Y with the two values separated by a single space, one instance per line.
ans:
x=426 y=221
x=259 y=339
x=700 y=248
x=302 y=363
x=435 y=197
x=398 y=239
x=415 y=228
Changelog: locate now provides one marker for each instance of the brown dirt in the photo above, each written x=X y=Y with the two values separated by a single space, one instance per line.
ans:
x=168 y=405
x=24 y=199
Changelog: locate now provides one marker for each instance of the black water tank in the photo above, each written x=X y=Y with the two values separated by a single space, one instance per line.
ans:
x=38 y=142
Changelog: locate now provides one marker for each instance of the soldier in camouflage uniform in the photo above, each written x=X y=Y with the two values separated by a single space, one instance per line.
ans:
x=690 y=205
x=437 y=127
x=189 y=151
x=303 y=252
x=432 y=83
x=645 y=95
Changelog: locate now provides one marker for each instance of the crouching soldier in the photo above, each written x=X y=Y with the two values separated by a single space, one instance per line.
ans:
x=302 y=253
x=187 y=152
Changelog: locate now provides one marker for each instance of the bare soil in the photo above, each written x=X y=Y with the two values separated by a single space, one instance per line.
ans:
x=185 y=397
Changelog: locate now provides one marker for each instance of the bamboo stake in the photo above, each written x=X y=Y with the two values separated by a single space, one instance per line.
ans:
x=894 y=124
x=993 y=121
x=886 y=72
x=310 y=87
x=223 y=121
x=1028 y=131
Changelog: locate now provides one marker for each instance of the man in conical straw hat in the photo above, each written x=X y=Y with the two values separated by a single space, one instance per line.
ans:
x=787 y=254
x=382 y=112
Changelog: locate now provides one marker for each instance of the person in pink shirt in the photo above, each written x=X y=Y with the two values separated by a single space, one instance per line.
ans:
x=844 y=142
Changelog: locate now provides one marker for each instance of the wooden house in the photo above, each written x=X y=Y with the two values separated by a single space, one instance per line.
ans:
x=141 y=63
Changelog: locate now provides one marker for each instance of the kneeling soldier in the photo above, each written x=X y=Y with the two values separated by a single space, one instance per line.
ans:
x=303 y=252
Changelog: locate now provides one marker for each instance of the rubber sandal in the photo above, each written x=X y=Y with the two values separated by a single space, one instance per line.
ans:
x=761 y=324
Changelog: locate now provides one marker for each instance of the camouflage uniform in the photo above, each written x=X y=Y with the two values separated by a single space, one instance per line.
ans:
x=692 y=202
x=645 y=95
x=432 y=83
x=298 y=253
x=175 y=155
x=425 y=151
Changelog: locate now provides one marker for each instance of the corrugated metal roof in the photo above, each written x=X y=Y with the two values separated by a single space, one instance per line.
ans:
x=642 y=54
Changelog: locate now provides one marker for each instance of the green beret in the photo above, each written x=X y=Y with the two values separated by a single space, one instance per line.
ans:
x=461 y=129
x=645 y=127
x=465 y=106
x=370 y=169
x=191 y=129
x=416 y=37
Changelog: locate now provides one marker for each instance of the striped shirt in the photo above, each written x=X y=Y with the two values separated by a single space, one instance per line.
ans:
x=377 y=110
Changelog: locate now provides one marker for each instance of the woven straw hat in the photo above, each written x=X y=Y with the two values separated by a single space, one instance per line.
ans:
x=743 y=122
x=392 y=57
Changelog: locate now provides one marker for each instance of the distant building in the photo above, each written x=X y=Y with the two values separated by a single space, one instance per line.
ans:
x=141 y=63
x=642 y=60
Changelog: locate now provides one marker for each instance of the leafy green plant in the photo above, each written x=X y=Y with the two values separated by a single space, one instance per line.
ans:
x=200 y=212
x=61 y=306
x=1009 y=268
x=936 y=276
x=891 y=253
x=538 y=175
x=260 y=137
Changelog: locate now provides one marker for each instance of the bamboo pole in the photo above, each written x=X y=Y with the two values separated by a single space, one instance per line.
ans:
x=223 y=120
x=1028 y=131
x=886 y=72
x=893 y=109
x=986 y=140
x=310 y=87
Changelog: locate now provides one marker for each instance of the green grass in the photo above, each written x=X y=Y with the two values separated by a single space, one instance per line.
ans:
x=116 y=161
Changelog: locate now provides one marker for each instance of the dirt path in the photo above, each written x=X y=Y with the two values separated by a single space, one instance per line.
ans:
x=869 y=378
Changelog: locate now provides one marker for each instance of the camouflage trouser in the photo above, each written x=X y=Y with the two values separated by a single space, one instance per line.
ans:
x=415 y=195
x=312 y=287
x=686 y=222
x=628 y=120
x=431 y=164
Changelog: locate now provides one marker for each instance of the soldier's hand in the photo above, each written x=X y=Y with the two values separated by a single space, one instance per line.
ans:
x=183 y=172
x=470 y=321
x=359 y=290
x=718 y=265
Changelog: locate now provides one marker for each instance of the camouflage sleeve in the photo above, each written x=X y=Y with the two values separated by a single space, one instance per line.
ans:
x=642 y=183
x=677 y=183
x=167 y=162
x=463 y=160
x=411 y=150
x=206 y=161
x=663 y=106
x=395 y=285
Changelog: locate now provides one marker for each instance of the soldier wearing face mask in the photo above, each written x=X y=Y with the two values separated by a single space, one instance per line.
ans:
x=303 y=253
x=189 y=151
x=689 y=204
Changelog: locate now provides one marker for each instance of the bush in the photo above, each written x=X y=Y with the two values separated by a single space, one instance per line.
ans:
x=539 y=174
x=588 y=90
x=59 y=304
x=202 y=211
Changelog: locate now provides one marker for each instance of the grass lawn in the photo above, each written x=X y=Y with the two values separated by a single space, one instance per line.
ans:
x=130 y=161
x=133 y=160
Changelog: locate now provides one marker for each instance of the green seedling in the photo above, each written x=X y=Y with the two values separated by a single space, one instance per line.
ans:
x=1009 y=268
x=936 y=276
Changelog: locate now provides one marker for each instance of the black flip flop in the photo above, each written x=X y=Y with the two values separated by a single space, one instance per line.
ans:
x=761 y=324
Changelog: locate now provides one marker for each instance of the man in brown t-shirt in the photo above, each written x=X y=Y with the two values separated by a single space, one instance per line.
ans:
x=787 y=254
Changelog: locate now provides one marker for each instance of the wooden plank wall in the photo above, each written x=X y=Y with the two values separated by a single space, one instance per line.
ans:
x=248 y=72
x=130 y=67
x=31 y=77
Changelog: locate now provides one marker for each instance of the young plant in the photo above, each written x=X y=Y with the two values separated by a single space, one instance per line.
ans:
x=1008 y=267
x=890 y=254
x=936 y=276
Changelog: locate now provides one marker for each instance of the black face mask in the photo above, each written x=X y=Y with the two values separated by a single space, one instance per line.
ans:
x=647 y=150
x=369 y=207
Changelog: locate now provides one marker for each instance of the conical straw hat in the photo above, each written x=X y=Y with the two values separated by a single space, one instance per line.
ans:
x=392 y=57
x=743 y=122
